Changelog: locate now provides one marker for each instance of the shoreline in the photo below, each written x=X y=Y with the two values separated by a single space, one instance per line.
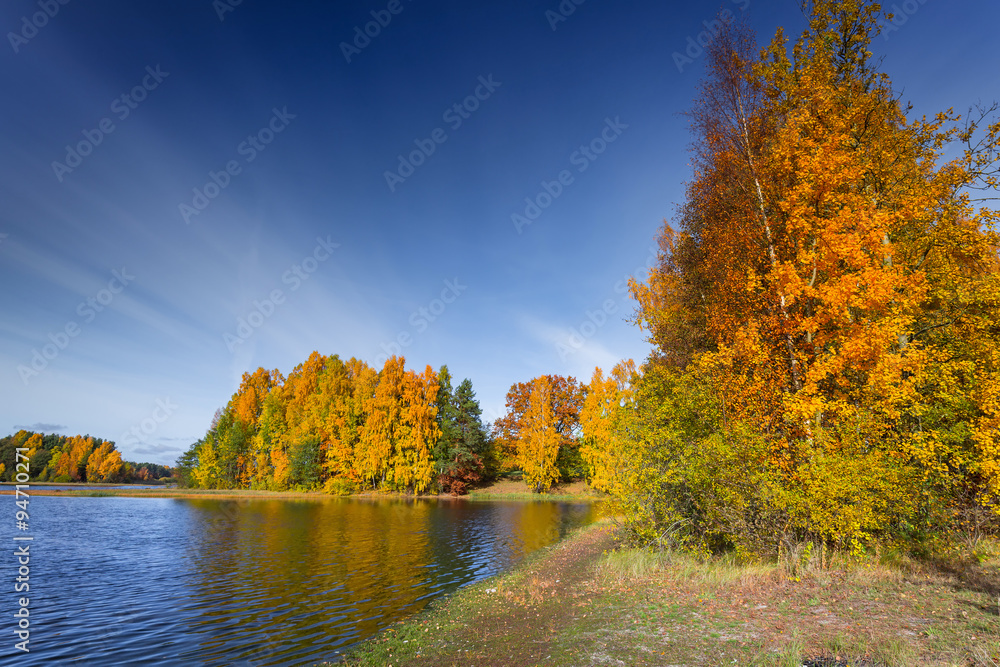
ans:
x=453 y=617
x=582 y=601
x=499 y=490
x=585 y=600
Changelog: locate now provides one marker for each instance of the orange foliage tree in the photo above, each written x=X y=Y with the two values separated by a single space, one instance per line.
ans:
x=341 y=426
x=833 y=286
x=71 y=460
x=105 y=464
x=601 y=447
x=565 y=400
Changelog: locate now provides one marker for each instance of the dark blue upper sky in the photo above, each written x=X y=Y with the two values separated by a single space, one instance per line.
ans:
x=165 y=174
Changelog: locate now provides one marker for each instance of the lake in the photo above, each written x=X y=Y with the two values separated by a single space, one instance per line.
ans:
x=119 y=581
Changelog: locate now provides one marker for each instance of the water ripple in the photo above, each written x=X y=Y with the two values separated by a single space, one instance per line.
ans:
x=127 y=581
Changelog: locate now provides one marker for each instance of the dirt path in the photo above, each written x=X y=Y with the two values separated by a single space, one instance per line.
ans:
x=565 y=608
x=523 y=619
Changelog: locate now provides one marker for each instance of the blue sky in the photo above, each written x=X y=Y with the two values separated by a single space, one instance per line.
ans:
x=212 y=156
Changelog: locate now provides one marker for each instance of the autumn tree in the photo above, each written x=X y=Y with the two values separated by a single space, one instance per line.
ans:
x=105 y=464
x=383 y=422
x=308 y=395
x=412 y=468
x=538 y=438
x=352 y=388
x=601 y=447
x=269 y=449
x=71 y=460
x=248 y=401
x=35 y=445
x=565 y=400
x=233 y=439
x=813 y=286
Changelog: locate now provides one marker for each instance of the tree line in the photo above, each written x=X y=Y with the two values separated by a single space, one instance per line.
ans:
x=78 y=458
x=344 y=427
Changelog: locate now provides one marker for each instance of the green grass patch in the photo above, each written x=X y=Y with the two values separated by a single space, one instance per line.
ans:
x=486 y=495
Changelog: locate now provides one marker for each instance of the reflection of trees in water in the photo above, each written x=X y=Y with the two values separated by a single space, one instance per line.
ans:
x=292 y=568
x=270 y=577
x=479 y=539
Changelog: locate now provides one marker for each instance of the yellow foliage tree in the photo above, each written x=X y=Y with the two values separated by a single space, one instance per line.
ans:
x=411 y=465
x=380 y=432
x=105 y=464
x=73 y=456
x=833 y=291
x=539 y=440
x=248 y=401
x=206 y=474
x=352 y=386
x=601 y=448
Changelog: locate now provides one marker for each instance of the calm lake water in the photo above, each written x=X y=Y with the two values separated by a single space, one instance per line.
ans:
x=118 y=581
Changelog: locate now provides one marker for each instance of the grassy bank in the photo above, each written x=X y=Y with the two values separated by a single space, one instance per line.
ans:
x=516 y=490
x=582 y=603
x=499 y=490
x=83 y=490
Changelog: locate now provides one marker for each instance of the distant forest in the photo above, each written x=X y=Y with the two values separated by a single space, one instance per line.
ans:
x=78 y=458
x=345 y=427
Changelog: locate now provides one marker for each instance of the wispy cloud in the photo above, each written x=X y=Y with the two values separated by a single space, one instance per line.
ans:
x=583 y=358
x=41 y=427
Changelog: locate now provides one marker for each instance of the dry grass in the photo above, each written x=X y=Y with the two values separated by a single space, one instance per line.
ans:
x=630 y=565
x=508 y=489
x=584 y=603
x=625 y=565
